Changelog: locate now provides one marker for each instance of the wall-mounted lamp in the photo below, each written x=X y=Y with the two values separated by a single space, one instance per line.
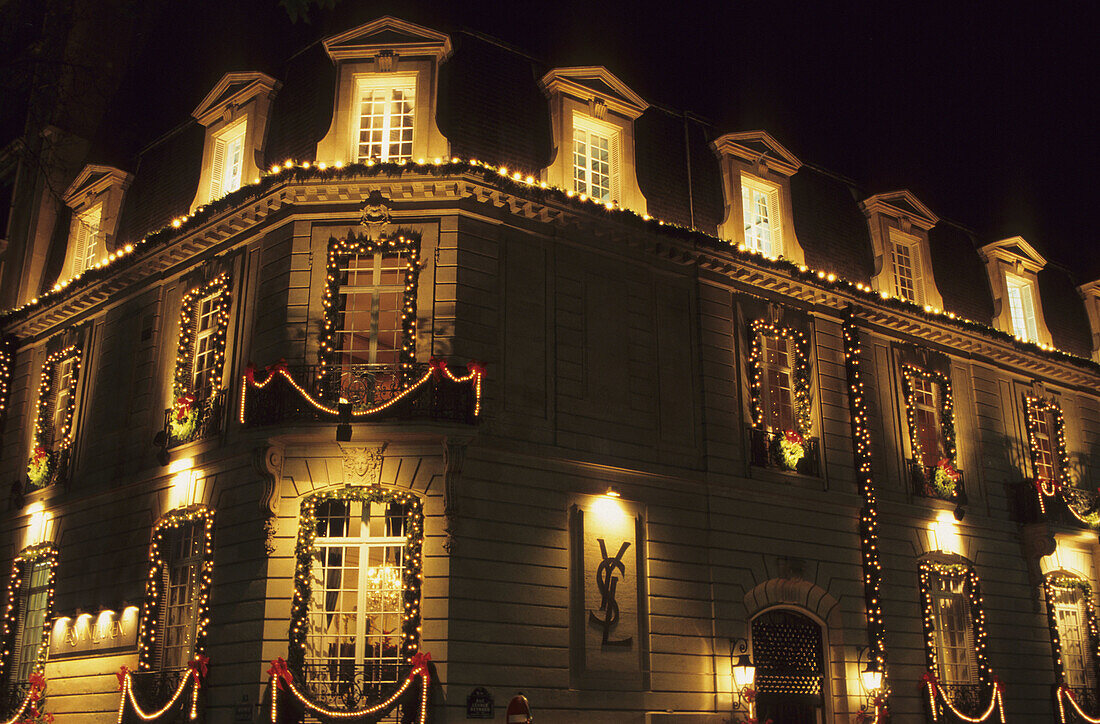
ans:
x=870 y=677
x=743 y=673
x=343 y=430
x=611 y=492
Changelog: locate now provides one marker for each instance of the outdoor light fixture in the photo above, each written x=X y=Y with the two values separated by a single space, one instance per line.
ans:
x=611 y=492
x=343 y=430
x=870 y=676
x=743 y=673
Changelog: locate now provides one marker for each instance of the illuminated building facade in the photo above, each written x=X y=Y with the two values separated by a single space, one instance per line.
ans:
x=425 y=349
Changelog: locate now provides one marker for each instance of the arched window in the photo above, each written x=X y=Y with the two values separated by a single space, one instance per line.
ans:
x=29 y=606
x=356 y=615
x=1074 y=638
x=790 y=667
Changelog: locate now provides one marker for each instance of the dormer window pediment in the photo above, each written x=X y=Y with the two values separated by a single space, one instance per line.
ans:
x=95 y=197
x=1090 y=293
x=756 y=173
x=235 y=115
x=385 y=105
x=1013 y=266
x=899 y=225
x=592 y=114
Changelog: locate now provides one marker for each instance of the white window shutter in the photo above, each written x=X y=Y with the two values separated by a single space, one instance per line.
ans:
x=79 y=242
x=774 y=225
x=217 y=170
x=616 y=168
x=918 y=273
x=1029 y=313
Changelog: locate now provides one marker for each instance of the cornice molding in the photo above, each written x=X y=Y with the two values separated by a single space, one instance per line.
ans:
x=571 y=81
x=252 y=83
x=93 y=180
x=363 y=42
x=775 y=157
x=890 y=203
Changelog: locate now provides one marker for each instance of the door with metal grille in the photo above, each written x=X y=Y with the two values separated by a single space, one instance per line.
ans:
x=790 y=668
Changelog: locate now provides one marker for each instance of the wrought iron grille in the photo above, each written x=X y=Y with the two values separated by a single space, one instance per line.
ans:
x=153 y=689
x=922 y=476
x=788 y=653
x=345 y=685
x=363 y=387
x=14 y=694
x=764 y=449
x=970 y=699
x=1086 y=698
x=1086 y=505
x=208 y=421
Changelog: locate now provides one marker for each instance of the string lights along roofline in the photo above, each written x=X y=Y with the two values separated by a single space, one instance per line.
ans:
x=526 y=184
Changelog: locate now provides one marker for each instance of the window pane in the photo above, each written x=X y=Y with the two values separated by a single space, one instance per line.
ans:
x=926 y=416
x=954 y=632
x=183 y=568
x=385 y=124
x=34 y=609
x=756 y=206
x=903 y=272
x=778 y=384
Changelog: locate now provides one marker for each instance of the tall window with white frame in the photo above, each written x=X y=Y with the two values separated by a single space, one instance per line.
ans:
x=1021 y=305
x=228 y=161
x=1071 y=617
x=33 y=607
x=353 y=644
x=926 y=417
x=384 y=119
x=86 y=241
x=906 y=262
x=760 y=206
x=62 y=389
x=595 y=159
x=1045 y=453
x=777 y=366
x=372 y=293
x=181 y=575
x=205 y=351
x=954 y=630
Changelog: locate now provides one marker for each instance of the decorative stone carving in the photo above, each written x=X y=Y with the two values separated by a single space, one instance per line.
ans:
x=376 y=215
x=1036 y=541
x=268 y=462
x=454 y=455
x=386 y=60
x=363 y=465
x=597 y=108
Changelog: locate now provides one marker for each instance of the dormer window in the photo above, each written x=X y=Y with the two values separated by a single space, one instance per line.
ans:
x=385 y=105
x=385 y=117
x=899 y=225
x=592 y=113
x=1090 y=293
x=95 y=198
x=756 y=173
x=1013 y=266
x=235 y=115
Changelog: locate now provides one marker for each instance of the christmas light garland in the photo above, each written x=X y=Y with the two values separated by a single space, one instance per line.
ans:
x=218 y=287
x=475 y=371
x=762 y=329
x=6 y=362
x=150 y=614
x=31 y=702
x=279 y=676
x=1052 y=584
x=972 y=589
x=194 y=678
x=21 y=567
x=946 y=414
x=340 y=251
x=304 y=552
x=1036 y=408
x=868 y=519
x=63 y=437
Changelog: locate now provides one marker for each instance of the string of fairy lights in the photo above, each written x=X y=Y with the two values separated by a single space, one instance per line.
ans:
x=868 y=518
x=512 y=181
x=6 y=362
x=911 y=372
x=128 y=701
x=155 y=600
x=280 y=676
x=1037 y=407
x=971 y=585
x=218 y=289
x=21 y=568
x=762 y=329
x=1077 y=588
x=43 y=414
x=405 y=246
x=304 y=554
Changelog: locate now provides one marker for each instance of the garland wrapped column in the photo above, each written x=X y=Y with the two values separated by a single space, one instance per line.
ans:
x=868 y=519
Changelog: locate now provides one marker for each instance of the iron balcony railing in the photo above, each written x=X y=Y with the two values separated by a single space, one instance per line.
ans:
x=209 y=415
x=358 y=389
x=1080 y=508
x=923 y=476
x=15 y=692
x=154 y=689
x=970 y=699
x=349 y=686
x=765 y=452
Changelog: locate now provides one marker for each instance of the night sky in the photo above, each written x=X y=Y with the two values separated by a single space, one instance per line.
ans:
x=981 y=114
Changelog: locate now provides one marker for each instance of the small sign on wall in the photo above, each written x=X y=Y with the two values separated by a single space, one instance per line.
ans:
x=479 y=704
x=91 y=635
x=608 y=620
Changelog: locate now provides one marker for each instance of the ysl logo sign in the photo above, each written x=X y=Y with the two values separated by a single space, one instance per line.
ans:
x=606 y=582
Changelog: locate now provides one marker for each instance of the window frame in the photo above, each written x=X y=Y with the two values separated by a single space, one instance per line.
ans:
x=86 y=237
x=1067 y=581
x=586 y=124
x=151 y=630
x=755 y=185
x=1035 y=409
x=1028 y=310
x=914 y=249
x=956 y=567
x=944 y=409
x=801 y=397
x=47 y=442
x=220 y=176
x=390 y=82
x=183 y=378
x=13 y=627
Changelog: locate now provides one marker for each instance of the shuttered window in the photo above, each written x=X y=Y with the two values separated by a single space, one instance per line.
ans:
x=905 y=259
x=926 y=417
x=205 y=348
x=86 y=239
x=760 y=208
x=228 y=161
x=181 y=586
x=778 y=383
x=1046 y=459
x=34 y=598
x=956 y=655
x=1021 y=305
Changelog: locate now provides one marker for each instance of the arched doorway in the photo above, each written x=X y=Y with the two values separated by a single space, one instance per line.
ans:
x=790 y=668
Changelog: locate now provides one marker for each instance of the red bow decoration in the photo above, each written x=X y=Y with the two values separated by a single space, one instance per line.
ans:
x=122 y=674
x=476 y=368
x=198 y=666
x=250 y=373
x=420 y=660
x=280 y=673
x=929 y=678
x=792 y=436
x=279 y=366
x=1041 y=483
x=183 y=406
x=38 y=683
x=748 y=694
x=39 y=453
x=948 y=469
x=998 y=687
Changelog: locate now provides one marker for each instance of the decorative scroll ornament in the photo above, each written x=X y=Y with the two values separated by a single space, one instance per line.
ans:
x=376 y=215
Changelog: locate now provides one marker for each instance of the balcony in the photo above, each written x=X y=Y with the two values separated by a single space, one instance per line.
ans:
x=58 y=470
x=923 y=485
x=348 y=686
x=765 y=452
x=209 y=414
x=971 y=700
x=153 y=689
x=1085 y=697
x=15 y=693
x=1080 y=509
x=361 y=393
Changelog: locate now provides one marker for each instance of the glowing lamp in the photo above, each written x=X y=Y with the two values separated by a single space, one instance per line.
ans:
x=871 y=678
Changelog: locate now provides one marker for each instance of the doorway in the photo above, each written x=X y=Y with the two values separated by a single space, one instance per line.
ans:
x=790 y=668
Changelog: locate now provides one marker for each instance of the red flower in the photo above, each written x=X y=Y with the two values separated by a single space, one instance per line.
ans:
x=40 y=453
x=792 y=436
x=948 y=469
